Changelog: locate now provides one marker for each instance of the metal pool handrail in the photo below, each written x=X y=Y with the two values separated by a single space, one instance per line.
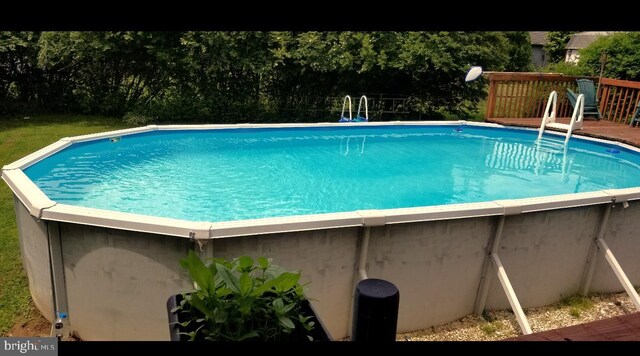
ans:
x=344 y=104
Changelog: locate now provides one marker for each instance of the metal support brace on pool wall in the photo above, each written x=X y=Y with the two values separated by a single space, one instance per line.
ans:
x=494 y=261
x=61 y=325
x=601 y=245
x=590 y=268
x=622 y=277
x=369 y=218
x=511 y=296
x=364 y=248
x=360 y=270
x=485 y=277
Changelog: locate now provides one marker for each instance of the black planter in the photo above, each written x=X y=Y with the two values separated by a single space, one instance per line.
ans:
x=319 y=332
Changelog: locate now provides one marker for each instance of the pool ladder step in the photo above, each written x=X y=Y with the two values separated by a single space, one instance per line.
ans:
x=549 y=117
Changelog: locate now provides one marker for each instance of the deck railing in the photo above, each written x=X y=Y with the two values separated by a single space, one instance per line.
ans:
x=618 y=99
x=523 y=95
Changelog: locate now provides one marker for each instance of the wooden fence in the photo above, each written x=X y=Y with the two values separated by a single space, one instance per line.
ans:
x=524 y=95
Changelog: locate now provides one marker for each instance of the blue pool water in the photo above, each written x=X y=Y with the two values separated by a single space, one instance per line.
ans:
x=222 y=175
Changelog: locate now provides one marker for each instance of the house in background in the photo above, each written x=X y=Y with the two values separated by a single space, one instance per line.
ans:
x=579 y=41
x=538 y=55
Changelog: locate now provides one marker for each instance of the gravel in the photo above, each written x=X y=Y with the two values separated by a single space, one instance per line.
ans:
x=497 y=325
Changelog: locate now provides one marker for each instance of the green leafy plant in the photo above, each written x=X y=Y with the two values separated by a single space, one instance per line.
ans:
x=241 y=300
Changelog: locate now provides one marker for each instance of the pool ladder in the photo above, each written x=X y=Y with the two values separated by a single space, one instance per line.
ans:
x=344 y=148
x=347 y=100
x=549 y=117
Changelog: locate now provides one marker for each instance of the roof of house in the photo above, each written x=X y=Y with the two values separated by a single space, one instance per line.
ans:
x=538 y=37
x=581 y=40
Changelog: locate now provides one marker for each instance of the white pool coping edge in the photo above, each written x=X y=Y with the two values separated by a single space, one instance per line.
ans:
x=41 y=207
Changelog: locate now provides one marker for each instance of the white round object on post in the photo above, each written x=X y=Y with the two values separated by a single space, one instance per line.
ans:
x=473 y=73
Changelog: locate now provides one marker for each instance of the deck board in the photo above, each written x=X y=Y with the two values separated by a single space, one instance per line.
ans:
x=619 y=328
x=593 y=128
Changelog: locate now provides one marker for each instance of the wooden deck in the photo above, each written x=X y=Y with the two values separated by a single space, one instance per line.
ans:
x=593 y=128
x=620 y=328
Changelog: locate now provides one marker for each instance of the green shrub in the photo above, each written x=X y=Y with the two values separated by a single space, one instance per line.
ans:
x=242 y=300
x=252 y=76
x=623 y=56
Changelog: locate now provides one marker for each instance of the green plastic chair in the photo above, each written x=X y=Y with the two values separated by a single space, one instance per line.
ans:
x=586 y=87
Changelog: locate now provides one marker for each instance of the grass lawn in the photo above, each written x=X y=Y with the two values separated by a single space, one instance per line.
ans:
x=19 y=137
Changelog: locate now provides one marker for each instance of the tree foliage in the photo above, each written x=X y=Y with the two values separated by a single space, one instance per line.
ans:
x=111 y=71
x=623 y=56
x=519 y=51
x=556 y=45
x=19 y=74
x=237 y=76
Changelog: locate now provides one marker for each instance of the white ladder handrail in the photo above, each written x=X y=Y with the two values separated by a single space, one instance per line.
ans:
x=549 y=117
x=366 y=108
x=346 y=150
x=576 y=118
x=344 y=103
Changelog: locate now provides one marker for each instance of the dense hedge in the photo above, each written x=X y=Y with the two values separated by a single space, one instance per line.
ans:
x=245 y=76
x=623 y=56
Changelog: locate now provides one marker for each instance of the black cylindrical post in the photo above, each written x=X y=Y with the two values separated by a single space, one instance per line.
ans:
x=375 y=311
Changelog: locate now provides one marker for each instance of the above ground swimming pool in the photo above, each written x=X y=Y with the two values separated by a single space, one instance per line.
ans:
x=436 y=208
x=237 y=174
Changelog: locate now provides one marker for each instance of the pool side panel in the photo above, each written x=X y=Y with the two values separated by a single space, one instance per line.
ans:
x=544 y=254
x=34 y=248
x=118 y=282
x=327 y=259
x=623 y=237
x=436 y=266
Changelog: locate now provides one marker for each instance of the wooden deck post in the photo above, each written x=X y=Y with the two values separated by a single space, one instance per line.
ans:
x=491 y=100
